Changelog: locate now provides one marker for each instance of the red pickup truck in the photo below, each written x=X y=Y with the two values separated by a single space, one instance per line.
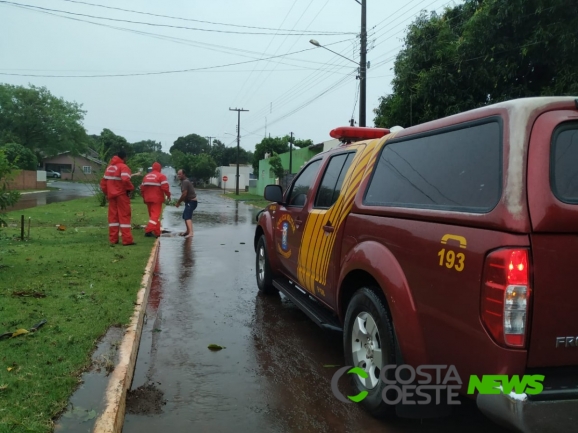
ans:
x=452 y=242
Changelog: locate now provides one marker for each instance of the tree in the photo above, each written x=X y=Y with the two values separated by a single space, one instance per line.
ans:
x=20 y=156
x=197 y=167
x=110 y=144
x=217 y=152
x=299 y=143
x=230 y=156
x=177 y=158
x=7 y=198
x=192 y=143
x=204 y=167
x=277 y=145
x=479 y=53
x=276 y=165
x=141 y=161
x=146 y=146
x=40 y=121
x=163 y=158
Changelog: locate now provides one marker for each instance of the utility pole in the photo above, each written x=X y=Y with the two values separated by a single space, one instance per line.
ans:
x=238 y=110
x=363 y=63
x=291 y=154
x=210 y=145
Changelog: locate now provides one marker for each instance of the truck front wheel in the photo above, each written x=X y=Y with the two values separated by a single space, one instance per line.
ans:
x=368 y=343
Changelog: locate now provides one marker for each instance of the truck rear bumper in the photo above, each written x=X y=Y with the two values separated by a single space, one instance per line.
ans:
x=516 y=411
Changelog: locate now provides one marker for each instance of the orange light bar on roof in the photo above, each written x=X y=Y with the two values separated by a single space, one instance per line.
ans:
x=357 y=133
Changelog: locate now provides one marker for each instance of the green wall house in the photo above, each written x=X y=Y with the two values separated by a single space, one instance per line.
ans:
x=300 y=157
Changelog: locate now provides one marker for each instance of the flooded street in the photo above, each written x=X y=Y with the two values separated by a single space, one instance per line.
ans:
x=275 y=370
x=67 y=191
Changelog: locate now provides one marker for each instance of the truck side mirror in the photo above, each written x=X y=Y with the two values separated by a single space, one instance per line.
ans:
x=274 y=193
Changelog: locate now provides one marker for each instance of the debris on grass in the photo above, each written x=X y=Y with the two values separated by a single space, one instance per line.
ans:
x=18 y=332
x=21 y=331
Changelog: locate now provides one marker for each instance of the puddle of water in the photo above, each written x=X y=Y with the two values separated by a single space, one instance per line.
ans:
x=88 y=400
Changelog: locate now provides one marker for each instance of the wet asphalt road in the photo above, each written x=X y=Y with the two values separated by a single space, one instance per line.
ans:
x=67 y=191
x=271 y=376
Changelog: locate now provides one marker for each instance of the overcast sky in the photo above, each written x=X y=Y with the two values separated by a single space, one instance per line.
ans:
x=307 y=93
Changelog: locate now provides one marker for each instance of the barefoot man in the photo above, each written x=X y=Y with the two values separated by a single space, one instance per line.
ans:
x=189 y=197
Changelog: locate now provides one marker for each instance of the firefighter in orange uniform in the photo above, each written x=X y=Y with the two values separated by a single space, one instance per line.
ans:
x=154 y=188
x=116 y=185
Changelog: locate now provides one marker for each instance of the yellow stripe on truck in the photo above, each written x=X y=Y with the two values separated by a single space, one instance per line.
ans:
x=317 y=245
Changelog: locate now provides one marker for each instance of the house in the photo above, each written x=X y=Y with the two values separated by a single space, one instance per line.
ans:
x=245 y=175
x=86 y=166
x=299 y=158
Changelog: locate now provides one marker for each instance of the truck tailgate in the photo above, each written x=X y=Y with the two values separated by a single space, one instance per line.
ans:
x=554 y=329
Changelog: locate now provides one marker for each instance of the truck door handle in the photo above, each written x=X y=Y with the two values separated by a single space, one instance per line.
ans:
x=329 y=228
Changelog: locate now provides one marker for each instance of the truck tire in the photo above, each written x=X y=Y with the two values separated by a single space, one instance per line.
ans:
x=262 y=268
x=369 y=344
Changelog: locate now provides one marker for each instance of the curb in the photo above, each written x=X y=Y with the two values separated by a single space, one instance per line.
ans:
x=112 y=418
x=36 y=192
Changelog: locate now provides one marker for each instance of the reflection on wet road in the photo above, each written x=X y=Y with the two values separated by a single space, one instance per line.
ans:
x=271 y=375
x=67 y=191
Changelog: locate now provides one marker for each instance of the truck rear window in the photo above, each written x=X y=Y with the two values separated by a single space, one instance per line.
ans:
x=564 y=163
x=458 y=169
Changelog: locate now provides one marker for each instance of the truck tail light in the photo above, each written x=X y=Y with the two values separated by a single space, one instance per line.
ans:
x=506 y=296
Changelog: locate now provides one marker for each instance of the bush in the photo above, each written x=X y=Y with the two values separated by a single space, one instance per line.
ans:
x=19 y=156
x=7 y=198
x=136 y=181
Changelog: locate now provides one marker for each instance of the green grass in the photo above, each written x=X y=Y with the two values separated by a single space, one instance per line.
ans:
x=87 y=285
x=254 y=199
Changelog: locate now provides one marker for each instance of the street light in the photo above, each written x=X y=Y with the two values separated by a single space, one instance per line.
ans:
x=362 y=63
x=317 y=44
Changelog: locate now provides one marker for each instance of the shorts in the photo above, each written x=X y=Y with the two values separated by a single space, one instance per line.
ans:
x=190 y=206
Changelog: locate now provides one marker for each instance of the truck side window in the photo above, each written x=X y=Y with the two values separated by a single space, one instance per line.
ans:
x=300 y=189
x=333 y=180
x=564 y=163
x=457 y=169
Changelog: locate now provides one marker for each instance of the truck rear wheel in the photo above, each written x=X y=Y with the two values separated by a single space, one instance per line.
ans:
x=369 y=344
x=262 y=268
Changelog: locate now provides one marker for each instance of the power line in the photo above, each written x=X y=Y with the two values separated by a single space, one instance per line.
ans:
x=313 y=80
x=276 y=51
x=153 y=73
x=391 y=16
x=333 y=87
x=262 y=54
x=295 y=41
x=165 y=25
x=188 y=42
x=300 y=88
x=191 y=19
x=355 y=101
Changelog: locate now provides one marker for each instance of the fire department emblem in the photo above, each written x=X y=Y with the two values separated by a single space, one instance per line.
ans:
x=284 y=245
x=287 y=227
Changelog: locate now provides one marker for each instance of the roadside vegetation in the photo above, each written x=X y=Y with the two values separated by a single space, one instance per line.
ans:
x=252 y=199
x=70 y=277
x=481 y=52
